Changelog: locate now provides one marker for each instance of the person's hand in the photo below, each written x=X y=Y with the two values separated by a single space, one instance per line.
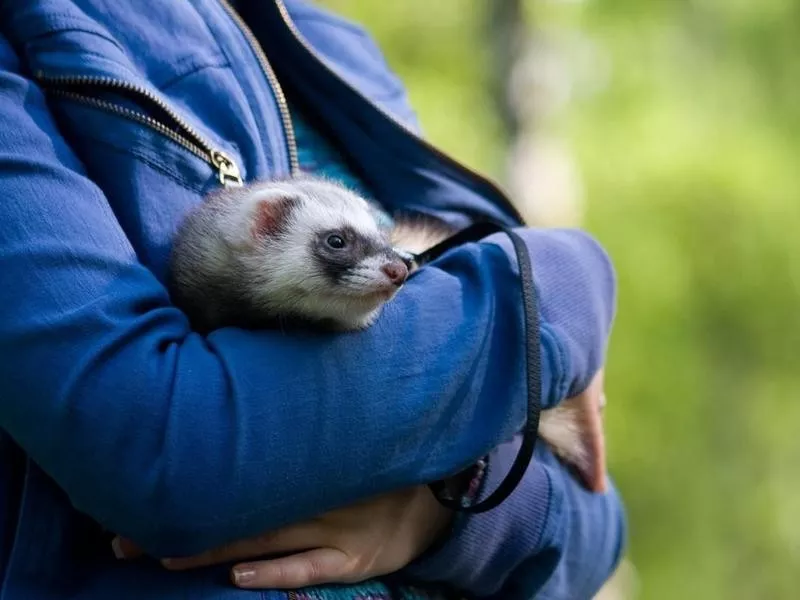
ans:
x=347 y=545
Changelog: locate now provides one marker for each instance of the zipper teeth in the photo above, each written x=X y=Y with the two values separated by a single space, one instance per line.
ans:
x=199 y=140
x=138 y=117
x=283 y=105
x=299 y=37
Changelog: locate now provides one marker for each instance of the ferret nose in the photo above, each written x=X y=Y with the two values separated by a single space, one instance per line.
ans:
x=396 y=271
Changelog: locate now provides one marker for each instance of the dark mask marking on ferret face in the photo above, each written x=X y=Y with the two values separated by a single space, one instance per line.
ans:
x=339 y=251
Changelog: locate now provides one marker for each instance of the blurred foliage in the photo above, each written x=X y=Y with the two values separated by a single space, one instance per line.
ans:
x=688 y=141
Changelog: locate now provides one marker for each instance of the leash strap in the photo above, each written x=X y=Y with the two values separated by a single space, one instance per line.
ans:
x=532 y=364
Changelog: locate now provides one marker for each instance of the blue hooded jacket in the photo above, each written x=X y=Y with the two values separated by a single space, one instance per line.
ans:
x=116 y=117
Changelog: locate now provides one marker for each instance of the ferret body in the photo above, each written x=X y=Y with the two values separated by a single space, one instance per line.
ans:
x=310 y=250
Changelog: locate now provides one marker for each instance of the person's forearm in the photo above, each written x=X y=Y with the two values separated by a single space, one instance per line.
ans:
x=551 y=534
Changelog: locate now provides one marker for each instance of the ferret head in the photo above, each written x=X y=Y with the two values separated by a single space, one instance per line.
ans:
x=316 y=251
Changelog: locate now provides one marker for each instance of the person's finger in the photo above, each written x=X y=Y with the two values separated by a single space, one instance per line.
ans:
x=123 y=548
x=293 y=538
x=314 y=567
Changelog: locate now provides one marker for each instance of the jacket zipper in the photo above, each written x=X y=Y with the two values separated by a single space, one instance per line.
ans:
x=441 y=155
x=280 y=97
x=186 y=136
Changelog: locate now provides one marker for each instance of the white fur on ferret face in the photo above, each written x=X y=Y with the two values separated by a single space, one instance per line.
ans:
x=295 y=272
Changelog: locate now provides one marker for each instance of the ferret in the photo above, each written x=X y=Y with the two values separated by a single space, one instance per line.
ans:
x=308 y=250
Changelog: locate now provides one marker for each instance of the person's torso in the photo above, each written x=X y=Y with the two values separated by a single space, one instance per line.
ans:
x=162 y=102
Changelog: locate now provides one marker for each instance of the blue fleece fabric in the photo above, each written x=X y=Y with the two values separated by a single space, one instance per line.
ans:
x=127 y=418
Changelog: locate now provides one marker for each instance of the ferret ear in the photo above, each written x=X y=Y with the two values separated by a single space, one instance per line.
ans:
x=271 y=215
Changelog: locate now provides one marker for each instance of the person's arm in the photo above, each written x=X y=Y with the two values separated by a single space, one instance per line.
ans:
x=183 y=442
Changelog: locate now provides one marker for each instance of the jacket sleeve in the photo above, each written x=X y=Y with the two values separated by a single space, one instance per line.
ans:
x=183 y=442
x=550 y=539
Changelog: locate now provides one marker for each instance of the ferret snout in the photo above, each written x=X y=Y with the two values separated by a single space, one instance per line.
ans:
x=396 y=271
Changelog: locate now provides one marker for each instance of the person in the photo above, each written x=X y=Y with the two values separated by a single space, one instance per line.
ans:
x=118 y=420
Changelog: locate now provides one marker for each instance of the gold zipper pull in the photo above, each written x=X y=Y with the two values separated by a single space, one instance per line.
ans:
x=227 y=170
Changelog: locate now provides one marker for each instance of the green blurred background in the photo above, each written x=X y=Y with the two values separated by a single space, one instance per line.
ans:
x=671 y=131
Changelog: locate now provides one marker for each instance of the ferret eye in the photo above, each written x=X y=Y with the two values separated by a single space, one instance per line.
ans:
x=335 y=241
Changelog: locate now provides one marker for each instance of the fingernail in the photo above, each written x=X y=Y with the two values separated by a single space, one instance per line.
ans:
x=116 y=548
x=243 y=575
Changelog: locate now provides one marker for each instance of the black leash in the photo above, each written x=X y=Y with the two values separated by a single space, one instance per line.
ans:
x=475 y=233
